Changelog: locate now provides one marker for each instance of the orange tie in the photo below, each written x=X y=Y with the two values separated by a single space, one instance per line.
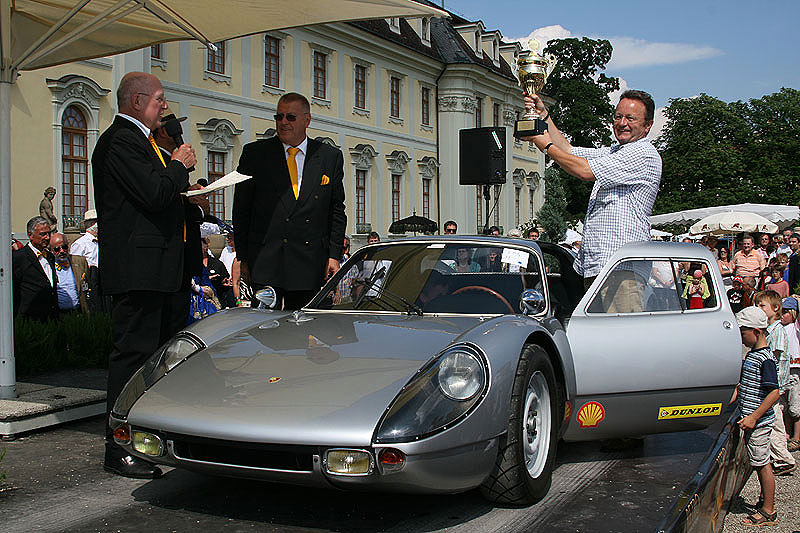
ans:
x=157 y=149
x=293 y=169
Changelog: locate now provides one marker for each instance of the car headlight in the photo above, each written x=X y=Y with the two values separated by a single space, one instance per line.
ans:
x=440 y=395
x=461 y=375
x=171 y=354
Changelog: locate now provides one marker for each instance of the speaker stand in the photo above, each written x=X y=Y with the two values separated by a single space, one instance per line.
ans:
x=486 y=189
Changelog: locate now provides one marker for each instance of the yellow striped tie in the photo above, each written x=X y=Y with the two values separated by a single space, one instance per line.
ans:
x=157 y=149
x=293 y=169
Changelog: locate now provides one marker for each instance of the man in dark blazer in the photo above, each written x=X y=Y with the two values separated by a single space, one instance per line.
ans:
x=141 y=236
x=34 y=274
x=289 y=231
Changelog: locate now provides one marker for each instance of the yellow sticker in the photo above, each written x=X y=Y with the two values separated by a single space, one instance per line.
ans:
x=689 y=411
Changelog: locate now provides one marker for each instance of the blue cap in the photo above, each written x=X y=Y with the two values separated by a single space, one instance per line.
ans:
x=789 y=303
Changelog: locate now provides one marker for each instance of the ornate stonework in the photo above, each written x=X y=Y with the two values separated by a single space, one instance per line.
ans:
x=398 y=162
x=464 y=104
x=427 y=167
x=218 y=134
x=363 y=156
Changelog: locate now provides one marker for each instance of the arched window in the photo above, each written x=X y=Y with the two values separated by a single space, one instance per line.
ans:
x=74 y=166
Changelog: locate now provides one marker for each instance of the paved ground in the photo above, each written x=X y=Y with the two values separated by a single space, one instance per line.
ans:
x=55 y=483
x=787 y=502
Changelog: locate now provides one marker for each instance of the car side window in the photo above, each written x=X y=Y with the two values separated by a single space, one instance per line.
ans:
x=660 y=285
x=623 y=290
x=695 y=284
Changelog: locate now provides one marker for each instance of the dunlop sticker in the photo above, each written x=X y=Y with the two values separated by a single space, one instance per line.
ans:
x=689 y=411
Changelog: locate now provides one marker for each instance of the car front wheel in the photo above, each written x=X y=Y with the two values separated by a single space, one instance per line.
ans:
x=524 y=466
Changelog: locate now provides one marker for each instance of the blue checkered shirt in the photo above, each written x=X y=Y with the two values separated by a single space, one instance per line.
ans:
x=625 y=188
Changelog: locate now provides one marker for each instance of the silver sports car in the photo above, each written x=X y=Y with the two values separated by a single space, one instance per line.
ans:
x=440 y=365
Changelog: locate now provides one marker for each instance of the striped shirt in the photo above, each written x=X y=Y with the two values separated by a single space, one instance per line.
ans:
x=625 y=188
x=759 y=377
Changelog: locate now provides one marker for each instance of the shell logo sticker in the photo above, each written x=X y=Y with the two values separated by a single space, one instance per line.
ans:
x=274 y=379
x=591 y=414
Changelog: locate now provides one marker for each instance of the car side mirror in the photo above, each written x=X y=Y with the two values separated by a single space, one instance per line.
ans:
x=532 y=302
x=267 y=298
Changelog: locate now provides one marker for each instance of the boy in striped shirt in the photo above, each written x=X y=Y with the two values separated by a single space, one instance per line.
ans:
x=757 y=392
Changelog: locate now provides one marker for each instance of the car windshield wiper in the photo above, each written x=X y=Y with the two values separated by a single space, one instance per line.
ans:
x=370 y=283
x=367 y=284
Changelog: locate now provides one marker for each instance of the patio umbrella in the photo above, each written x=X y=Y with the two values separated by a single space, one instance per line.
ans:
x=732 y=222
x=415 y=224
x=41 y=33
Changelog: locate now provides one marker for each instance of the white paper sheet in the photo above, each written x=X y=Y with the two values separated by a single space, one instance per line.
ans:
x=225 y=181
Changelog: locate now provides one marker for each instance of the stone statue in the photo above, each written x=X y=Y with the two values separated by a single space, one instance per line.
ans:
x=46 y=207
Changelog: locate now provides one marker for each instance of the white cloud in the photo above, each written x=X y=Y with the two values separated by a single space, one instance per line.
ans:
x=633 y=53
x=630 y=52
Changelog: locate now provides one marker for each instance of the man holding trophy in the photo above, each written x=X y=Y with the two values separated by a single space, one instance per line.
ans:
x=625 y=175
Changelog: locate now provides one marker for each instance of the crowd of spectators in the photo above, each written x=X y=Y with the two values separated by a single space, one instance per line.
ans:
x=763 y=277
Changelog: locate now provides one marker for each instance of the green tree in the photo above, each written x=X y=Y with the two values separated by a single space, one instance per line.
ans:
x=717 y=153
x=703 y=163
x=583 y=110
x=553 y=214
x=773 y=149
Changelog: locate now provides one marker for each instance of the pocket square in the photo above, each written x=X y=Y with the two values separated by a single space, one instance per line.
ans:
x=325 y=180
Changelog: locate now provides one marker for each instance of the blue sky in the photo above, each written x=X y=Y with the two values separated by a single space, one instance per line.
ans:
x=732 y=50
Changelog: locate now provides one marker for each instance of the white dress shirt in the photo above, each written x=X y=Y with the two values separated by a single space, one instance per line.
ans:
x=48 y=271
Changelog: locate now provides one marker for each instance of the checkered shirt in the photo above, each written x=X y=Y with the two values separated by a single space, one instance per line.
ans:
x=625 y=188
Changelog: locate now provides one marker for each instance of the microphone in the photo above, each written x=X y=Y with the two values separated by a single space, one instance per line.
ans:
x=173 y=128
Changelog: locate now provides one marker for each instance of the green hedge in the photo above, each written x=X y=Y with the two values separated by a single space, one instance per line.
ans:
x=73 y=341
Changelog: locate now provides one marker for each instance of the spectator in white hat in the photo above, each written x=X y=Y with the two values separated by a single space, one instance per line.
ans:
x=86 y=245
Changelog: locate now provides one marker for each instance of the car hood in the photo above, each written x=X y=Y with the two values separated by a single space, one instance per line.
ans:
x=325 y=381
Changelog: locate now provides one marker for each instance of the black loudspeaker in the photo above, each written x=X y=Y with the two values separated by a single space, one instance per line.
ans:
x=482 y=156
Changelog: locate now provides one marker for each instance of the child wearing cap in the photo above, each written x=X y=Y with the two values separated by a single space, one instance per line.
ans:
x=757 y=392
x=791 y=397
x=736 y=294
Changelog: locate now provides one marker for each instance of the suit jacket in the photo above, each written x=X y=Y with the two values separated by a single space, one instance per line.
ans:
x=33 y=294
x=141 y=218
x=286 y=242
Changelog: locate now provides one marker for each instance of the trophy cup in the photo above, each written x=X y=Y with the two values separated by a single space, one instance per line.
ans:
x=534 y=69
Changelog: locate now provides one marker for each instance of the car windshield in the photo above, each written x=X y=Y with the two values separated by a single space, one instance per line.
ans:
x=418 y=278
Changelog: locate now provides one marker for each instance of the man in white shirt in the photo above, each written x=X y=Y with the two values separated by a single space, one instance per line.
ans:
x=86 y=244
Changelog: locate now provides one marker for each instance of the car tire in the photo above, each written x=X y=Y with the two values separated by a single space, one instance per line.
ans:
x=524 y=467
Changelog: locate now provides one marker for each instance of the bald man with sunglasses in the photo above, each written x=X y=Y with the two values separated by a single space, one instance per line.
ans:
x=289 y=220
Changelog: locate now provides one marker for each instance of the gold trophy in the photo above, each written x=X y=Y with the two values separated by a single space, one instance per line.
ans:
x=534 y=68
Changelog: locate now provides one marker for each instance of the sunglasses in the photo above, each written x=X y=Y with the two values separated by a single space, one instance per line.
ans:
x=291 y=117
x=62 y=247
x=449 y=231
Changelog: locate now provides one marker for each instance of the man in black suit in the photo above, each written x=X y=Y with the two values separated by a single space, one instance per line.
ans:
x=141 y=236
x=289 y=219
x=34 y=274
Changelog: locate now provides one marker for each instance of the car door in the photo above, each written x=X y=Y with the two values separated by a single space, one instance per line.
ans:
x=645 y=360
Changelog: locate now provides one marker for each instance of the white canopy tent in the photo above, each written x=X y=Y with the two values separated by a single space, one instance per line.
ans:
x=40 y=33
x=779 y=214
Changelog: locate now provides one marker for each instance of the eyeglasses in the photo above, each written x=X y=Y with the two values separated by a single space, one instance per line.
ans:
x=160 y=99
x=291 y=117
x=628 y=118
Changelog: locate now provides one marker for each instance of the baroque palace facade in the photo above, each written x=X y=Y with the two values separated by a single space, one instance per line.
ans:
x=391 y=94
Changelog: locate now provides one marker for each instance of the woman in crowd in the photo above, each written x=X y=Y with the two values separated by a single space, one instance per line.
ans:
x=464 y=262
x=725 y=265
